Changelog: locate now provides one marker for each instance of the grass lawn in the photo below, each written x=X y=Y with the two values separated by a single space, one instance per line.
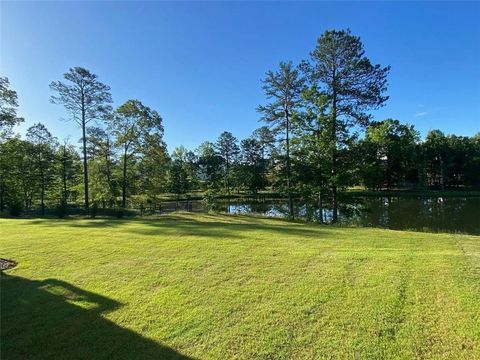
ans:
x=223 y=287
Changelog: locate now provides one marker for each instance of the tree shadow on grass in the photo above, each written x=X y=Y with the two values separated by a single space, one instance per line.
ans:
x=202 y=225
x=222 y=226
x=73 y=222
x=52 y=319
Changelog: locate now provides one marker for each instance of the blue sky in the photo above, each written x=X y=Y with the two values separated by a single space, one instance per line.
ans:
x=199 y=64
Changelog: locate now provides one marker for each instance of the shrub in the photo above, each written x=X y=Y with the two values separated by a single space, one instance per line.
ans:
x=62 y=210
x=15 y=208
x=119 y=213
x=208 y=200
x=94 y=210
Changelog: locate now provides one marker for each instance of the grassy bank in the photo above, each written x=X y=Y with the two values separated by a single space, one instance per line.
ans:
x=222 y=287
x=356 y=191
x=416 y=193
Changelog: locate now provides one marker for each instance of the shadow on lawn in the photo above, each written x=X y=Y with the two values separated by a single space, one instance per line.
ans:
x=212 y=226
x=52 y=319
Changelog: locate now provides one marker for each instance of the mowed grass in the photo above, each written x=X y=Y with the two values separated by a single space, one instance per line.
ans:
x=230 y=287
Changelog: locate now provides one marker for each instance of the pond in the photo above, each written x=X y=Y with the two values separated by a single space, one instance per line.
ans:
x=437 y=214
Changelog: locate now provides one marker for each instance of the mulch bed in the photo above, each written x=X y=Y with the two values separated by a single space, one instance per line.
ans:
x=6 y=264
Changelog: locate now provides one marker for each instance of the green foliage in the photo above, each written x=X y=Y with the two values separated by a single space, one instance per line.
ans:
x=351 y=86
x=93 y=210
x=388 y=154
x=227 y=147
x=451 y=161
x=119 y=213
x=182 y=174
x=283 y=89
x=153 y=166
x=312 y=145
x=85 y=98
x=351 y=83
x=266 y=140
x=13 y=171
x=68 y=166
x=42 y=153
x=102 y=163
x=15 y=207
x=8 y=108
x=209 y=166
x=251 y=172
x=208 y=200
x=138 y=130
x=62 y=210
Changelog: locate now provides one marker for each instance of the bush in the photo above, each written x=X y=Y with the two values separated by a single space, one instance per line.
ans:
x=62 y=210
x=208 y=200
x=94 y=210
x=119 y=213
x=15 y=208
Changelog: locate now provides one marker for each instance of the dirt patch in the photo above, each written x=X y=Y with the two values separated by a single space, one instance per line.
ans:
x=6 y=264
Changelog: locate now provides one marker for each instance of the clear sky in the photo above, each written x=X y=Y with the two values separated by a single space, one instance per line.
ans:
x=199 y=64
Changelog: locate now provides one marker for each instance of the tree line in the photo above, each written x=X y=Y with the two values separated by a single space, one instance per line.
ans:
x=319 y=137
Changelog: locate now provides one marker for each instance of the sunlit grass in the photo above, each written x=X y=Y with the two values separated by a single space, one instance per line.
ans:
x=222 y=287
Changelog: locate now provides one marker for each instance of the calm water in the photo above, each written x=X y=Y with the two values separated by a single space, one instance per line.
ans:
x=438 y=214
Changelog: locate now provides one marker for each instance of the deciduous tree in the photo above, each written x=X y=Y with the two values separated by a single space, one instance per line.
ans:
x=227 y=147
x=8 y=107
x=138 y=130
x=43 y=155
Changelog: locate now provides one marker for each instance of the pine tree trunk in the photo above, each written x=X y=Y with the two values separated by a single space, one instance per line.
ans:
x=42 y=187
x=85 y=164
x=124 y=183
x=228 y=175
x=64 y=176
x=320 y=207
x=108 y=171
x=290 y=200
x=334 y=159
x=442 y=173
x=2 y=196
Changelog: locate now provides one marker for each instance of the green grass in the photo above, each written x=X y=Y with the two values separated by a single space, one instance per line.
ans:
x=225 y=287
x=412 y=192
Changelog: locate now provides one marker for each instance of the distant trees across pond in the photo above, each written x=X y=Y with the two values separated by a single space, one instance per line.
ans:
x=318 y=137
